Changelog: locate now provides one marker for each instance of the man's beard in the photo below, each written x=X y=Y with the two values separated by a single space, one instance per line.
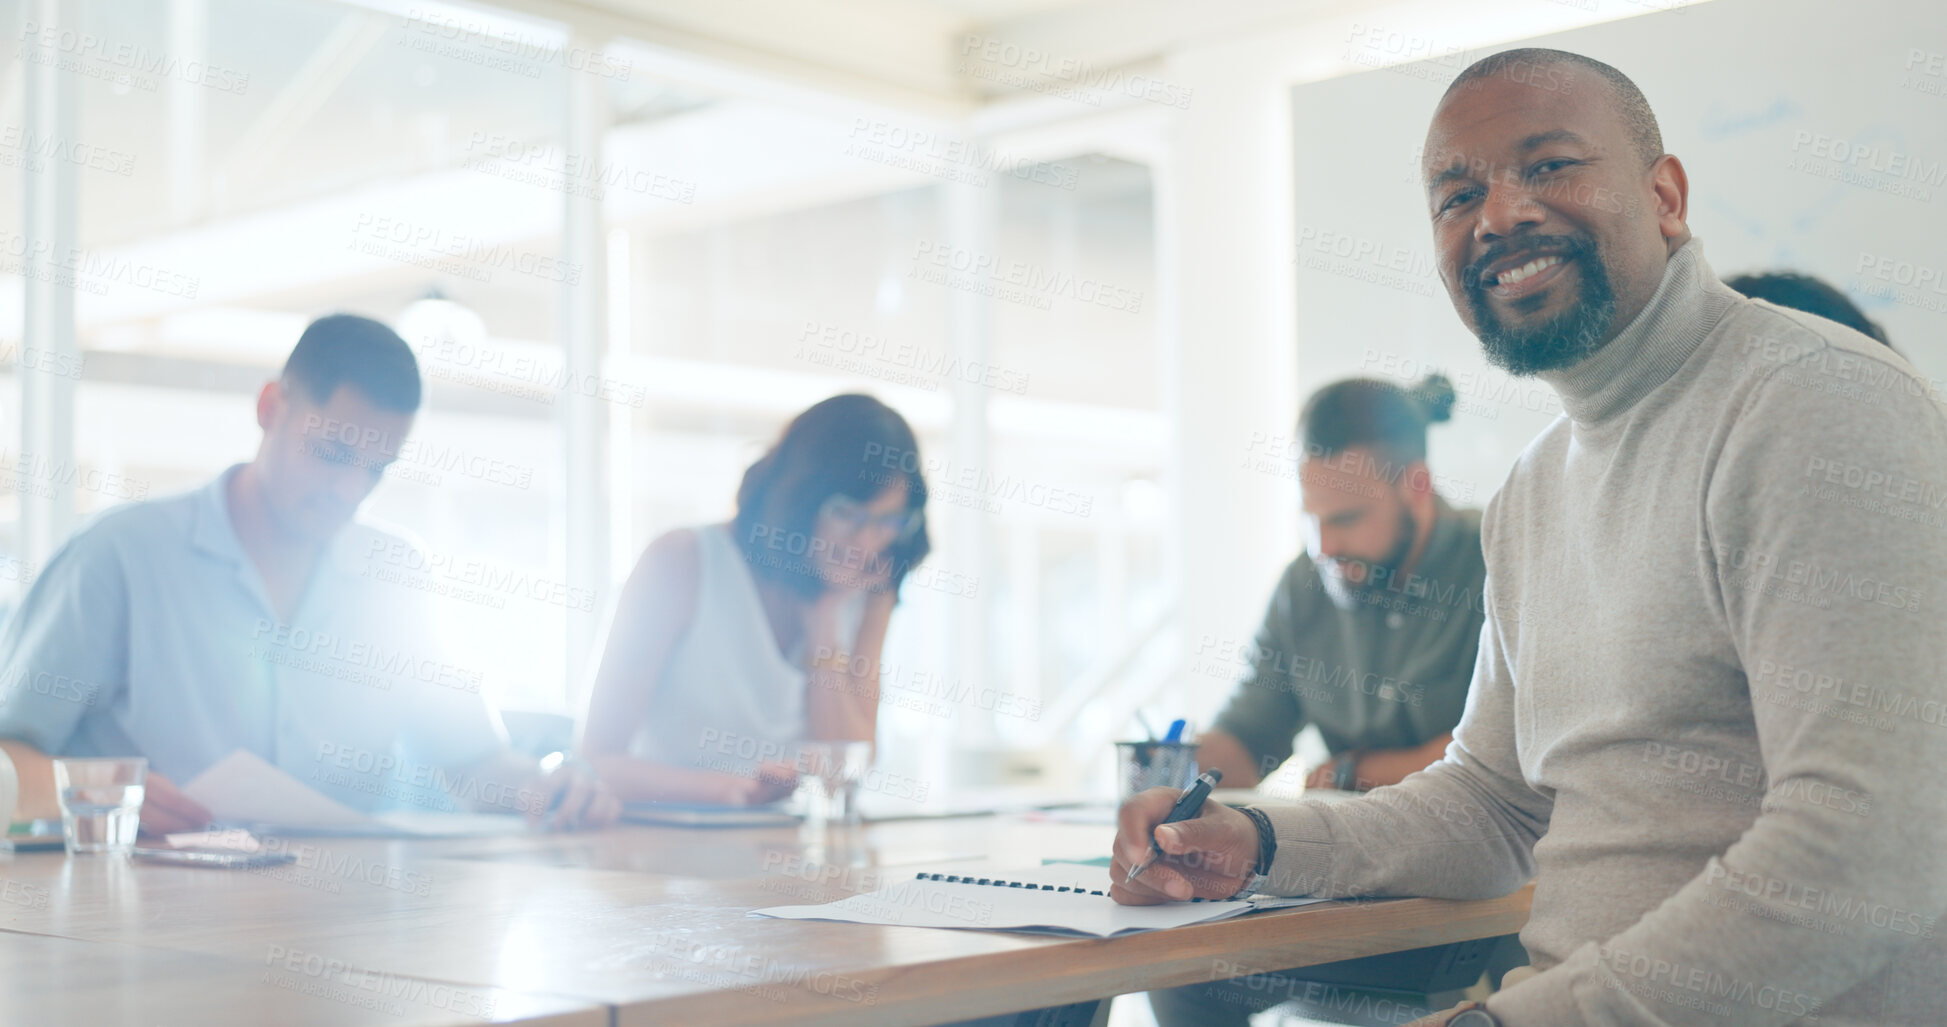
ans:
x=1570 y=336
x=1350 y=595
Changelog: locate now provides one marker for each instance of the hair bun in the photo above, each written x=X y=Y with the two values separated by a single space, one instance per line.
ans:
x=1435 y=395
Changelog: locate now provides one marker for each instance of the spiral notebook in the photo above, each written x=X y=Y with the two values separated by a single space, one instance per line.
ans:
x=1059 y=898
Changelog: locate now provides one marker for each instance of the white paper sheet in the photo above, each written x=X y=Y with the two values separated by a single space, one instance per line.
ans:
x=235 y=839
x=241 y=788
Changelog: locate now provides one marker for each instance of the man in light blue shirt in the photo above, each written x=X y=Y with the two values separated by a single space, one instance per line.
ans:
x=254 y=614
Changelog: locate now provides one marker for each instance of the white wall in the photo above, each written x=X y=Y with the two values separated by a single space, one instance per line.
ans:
x=1742 y=88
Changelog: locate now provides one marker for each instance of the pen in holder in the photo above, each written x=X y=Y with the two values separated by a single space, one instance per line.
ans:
x=1145 y=765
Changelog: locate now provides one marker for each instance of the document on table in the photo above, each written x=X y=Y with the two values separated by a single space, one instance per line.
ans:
x=243 y=789
x=1060 y=898
x=685 y=814
x=881 y=807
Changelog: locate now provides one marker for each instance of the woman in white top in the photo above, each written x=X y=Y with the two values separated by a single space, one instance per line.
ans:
x=731 y=642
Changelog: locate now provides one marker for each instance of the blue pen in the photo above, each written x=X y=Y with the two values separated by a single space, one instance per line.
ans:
x=1175 y=734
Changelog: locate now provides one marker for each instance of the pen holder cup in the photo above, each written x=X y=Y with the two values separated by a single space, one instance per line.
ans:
x=1145 y=765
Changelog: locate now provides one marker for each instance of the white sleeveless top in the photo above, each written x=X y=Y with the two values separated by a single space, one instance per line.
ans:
x=728 y=699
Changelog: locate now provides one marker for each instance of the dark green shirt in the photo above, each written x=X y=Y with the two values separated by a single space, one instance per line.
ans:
x=1388 y=671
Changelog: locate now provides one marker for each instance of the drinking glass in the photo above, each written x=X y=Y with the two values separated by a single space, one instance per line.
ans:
x=829 y=774
x=101 y=803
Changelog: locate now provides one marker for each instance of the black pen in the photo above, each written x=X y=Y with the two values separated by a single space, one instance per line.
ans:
x=1187 y=807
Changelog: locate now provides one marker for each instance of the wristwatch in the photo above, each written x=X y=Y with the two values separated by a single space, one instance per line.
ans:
x=1475 y=1015
x=1345 y=771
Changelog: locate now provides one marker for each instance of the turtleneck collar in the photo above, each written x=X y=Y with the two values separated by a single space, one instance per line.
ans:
x=1686 y=306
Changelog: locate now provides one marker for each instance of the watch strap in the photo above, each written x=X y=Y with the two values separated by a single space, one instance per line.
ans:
x=1267 y=840
x=1345 y=772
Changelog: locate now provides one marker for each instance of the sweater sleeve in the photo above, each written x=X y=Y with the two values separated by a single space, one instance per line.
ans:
x=1464 y=828
x=1823 y=516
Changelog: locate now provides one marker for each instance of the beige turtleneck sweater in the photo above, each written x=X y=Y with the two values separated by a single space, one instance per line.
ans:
x=1709 y=714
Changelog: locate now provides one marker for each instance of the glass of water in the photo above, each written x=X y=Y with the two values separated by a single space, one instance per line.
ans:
x=101 y=802
x=829 y=775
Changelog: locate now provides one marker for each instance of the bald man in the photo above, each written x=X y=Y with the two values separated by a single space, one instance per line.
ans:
x=1707 y=714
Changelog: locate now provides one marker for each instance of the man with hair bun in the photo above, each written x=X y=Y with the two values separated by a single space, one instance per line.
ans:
x=1370 y=635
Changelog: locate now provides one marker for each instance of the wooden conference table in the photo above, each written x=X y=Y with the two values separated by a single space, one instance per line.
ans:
x=635 y=925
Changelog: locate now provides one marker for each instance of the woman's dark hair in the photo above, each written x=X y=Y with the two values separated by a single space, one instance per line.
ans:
x=1369 y=412
x=1803 y=292
x=850 y=445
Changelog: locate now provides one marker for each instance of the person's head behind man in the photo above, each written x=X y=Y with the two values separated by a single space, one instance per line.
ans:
x=1554 y=206
x=333 y=421
x=1366 y=492
x=1803 y=292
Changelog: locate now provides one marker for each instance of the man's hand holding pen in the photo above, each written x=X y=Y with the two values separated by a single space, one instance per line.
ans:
x=1210 y=856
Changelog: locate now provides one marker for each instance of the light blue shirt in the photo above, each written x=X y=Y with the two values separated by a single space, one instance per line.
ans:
x=149 y=634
